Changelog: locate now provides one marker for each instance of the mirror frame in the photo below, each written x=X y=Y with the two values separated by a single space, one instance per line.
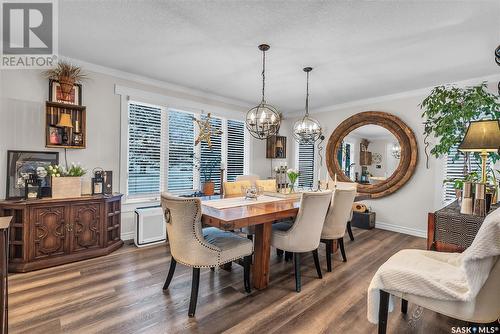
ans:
x=403 y=133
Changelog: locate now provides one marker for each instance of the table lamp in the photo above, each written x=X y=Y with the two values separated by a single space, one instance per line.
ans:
x=483 y=137
x=65 y=122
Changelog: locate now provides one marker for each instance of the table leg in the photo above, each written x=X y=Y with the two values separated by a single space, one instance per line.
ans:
x=262 y=251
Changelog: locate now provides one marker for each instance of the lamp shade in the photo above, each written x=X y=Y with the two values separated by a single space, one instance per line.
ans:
x=481 y=136
x=65 y=121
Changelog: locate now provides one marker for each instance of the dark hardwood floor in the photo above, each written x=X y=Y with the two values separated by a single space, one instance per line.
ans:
x=122 y=293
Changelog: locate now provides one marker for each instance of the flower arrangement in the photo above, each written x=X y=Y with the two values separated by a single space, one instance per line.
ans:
x=75 y=170
x=293 y=175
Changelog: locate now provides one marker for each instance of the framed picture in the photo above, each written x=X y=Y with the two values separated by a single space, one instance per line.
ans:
x=55 y=135
x=20 y=164
x=55 y=93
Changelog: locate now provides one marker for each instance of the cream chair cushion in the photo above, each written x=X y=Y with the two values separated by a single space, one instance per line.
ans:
x=338 y=214
x=304 y=234
x=235 y=188
x=196 y=247
x=266 y=185
x=484 y=308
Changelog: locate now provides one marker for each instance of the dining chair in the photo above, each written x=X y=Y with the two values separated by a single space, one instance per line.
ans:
x=266 y=185
x=345 y=186
x=336 y=221
x=235 y=188
x=304 y=234
x=195 y=247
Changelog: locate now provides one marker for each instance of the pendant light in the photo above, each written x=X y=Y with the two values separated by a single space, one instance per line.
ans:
x=307 y=130
x=263 y=121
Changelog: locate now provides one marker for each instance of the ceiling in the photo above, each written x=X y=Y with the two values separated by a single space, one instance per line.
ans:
x=358 y=49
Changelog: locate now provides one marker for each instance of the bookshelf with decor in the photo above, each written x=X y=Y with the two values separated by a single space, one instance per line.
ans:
x=65 y=125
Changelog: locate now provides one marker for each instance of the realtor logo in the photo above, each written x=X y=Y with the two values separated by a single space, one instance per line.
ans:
x=29 y=38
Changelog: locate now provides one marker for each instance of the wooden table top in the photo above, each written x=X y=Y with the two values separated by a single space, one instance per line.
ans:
x=255 y=213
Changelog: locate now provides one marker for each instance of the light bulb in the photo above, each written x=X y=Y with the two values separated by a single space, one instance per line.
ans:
x=263 y=116
x=252 y=117
x=315 y=126
x=273 y=118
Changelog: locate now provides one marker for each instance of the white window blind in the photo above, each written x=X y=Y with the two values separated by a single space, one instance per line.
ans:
x=455 y=170
x=144 y=149
x=306 y=165
x=235 y=149
x=180 y=151
x=210 y=159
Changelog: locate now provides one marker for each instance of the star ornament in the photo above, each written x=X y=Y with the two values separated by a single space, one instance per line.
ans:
x=205 y=131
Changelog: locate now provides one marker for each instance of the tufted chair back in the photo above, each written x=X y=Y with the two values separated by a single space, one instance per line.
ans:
x=232 y=189
x=304 y=235
x=185 y=236
x=339 y=214
x=267 y=185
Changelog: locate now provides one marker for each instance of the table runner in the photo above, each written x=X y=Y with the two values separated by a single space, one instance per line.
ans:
x=233 y=202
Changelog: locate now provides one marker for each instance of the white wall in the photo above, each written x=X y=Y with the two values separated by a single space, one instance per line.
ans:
x=23 y=94
x=406 y=210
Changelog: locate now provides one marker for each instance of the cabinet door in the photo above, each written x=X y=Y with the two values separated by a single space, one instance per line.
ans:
x=86 y=228
x=49 y=231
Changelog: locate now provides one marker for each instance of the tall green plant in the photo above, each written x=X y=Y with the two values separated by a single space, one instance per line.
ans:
x=448 y=110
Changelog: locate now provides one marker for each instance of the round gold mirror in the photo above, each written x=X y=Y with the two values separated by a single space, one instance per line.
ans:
x=375 y=149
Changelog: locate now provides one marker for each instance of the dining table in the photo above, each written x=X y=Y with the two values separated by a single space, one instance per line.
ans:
x=234 y=213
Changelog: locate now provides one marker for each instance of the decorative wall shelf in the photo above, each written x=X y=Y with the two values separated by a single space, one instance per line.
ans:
x=62 y=131
x=276 y=147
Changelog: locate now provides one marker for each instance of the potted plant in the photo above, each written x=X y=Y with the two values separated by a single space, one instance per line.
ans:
x=448 y=110
x=458 y=183
x=293 y=175
x=66 y=183
x=207 y=168
x=67 y=75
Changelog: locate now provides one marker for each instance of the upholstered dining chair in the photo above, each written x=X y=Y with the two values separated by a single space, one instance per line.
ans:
x=198 y=248
x=251 y=178
x=345 y=186
x=266 y=185
x=304 y=234
x=235 y=188
x=336 y=221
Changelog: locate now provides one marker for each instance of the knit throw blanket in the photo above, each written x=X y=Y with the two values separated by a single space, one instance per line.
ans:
x=444 y=276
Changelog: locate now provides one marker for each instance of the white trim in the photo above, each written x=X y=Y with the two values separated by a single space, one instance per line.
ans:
x=401 y=229
x=127 y=236
x=159 y=83
x=396 y=96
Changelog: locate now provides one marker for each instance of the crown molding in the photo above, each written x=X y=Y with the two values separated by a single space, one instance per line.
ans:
x=244 y=105
x=396 y=96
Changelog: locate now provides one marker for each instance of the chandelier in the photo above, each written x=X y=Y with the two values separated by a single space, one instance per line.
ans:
x=263 y=121
x=307 y=130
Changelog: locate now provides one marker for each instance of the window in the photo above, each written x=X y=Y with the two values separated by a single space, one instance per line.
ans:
x=306 y=165
x=161 y=155
x=180 y=151
x=455 y=170
x=210 y=158
x=235 y=149
x=144 y=146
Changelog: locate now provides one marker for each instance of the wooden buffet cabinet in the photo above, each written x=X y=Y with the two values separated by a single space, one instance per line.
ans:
x=49 y=232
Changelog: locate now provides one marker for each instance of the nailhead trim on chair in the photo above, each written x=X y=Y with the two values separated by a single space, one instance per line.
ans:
x=207 y=245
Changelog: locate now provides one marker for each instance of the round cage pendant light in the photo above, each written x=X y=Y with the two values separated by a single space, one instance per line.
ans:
x=307 y=130
x=263 y=121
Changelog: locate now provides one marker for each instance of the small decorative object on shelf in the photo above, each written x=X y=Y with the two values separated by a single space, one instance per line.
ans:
x=64 y=77
x=20 y=164
x=66 y=183
x=32 y=187
x=65 y=125
x=108 y=182
x=98 y=181
x=293 y=175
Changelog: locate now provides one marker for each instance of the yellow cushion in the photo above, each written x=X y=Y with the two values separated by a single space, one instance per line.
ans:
x=266 y=185
x=235 y=188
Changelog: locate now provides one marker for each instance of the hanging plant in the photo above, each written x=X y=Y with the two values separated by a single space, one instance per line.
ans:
x=448 y=110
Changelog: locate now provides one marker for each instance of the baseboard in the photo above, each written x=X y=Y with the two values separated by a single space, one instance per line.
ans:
x=128 y=235
x=401 y=229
